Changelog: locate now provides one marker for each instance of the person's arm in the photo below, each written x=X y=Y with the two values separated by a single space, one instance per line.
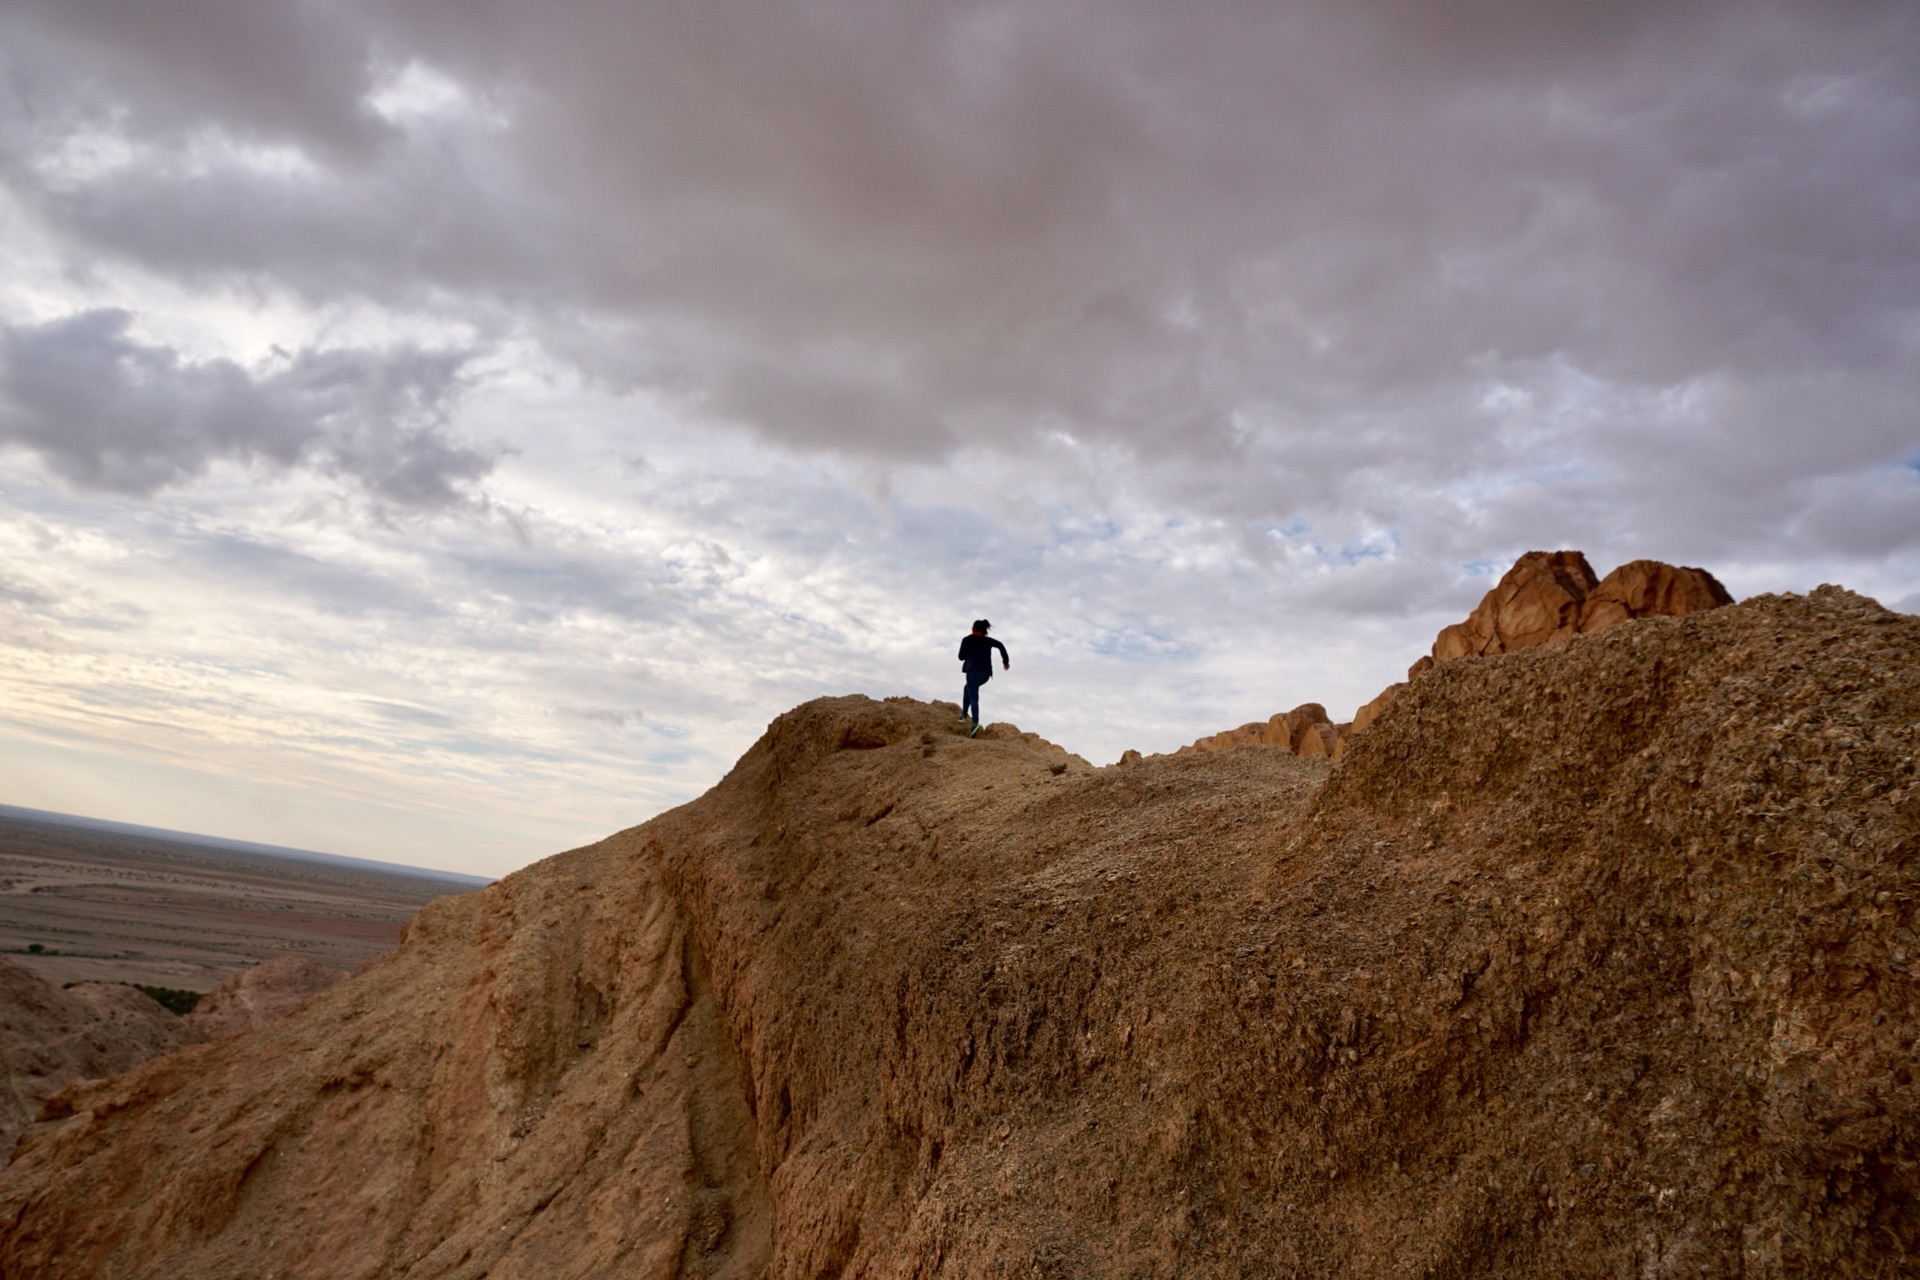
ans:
x=1006 y=663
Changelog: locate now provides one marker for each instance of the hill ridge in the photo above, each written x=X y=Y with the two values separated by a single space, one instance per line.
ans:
x=1591 y=960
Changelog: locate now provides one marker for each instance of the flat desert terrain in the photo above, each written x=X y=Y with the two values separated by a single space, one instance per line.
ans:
x=107 y=906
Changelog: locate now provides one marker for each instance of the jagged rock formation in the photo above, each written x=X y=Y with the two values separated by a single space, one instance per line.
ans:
x=1305 y=731
x=1550 y=596
x=49 y=1037
x=1593 y=961
x=1545 y=598
x=260 y=993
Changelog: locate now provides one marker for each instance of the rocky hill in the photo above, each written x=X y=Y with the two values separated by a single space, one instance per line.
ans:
x=1591 y=959
x=50 y=1036
x=1547 y=597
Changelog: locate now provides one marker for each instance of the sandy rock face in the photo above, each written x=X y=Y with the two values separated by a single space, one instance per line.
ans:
x=260 y=993
x=50 y=1037
x=1591 y=961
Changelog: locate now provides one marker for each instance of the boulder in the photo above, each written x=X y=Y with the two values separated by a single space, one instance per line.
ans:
x=1538 y=601
x=1648 y=588
x=1287 y=729
x=1302 y=726
x=1550 y=596
x=1319 y=739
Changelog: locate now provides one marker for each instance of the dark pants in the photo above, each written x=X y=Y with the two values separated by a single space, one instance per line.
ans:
x=970 y=700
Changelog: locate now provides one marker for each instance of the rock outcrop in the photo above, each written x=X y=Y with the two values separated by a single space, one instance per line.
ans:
x=50 y=1037
x=260 y=993
x=1550 y=596
x=1595 y=961
x=1537 y=601
x=1650 y=589
x=1367 y=714
x=1305 y=731
x=1545 y=598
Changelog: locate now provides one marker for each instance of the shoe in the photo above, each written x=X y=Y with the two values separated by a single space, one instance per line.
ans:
x=975 y=730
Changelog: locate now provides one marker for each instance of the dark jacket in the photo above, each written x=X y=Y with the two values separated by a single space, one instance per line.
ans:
x=976 y=654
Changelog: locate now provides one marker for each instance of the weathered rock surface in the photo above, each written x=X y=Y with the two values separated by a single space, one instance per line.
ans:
x=1545 y=598
x=1305 y=731
x=1371 y=711
x=1593 y=961
x=1536 y=602
x=261 y=993
x=1650 y=589
x=1550 y=596
x=50 y=1037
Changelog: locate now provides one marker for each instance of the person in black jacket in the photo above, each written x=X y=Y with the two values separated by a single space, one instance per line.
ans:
x=976 y=662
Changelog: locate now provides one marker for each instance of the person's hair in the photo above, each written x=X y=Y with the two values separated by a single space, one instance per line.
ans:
x=982 y=625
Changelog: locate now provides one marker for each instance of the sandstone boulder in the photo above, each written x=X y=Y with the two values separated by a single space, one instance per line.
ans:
x=260 y=994
x=1648 y=589
x=1303 y=725
x=1536 y=602
x=1323 y=738
x=1289 y=729
x=1549 y=596
x=1545 y=598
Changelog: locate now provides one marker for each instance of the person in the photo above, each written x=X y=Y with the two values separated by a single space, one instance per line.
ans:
x=976 y=663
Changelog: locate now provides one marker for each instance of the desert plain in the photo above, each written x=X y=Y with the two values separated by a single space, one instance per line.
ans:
x=105 y=904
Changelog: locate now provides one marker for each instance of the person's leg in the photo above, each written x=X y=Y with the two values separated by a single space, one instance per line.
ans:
x=970 y=700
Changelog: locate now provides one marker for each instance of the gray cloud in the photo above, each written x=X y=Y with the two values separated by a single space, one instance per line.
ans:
x=294 y=70
x=110 y=412
x=1279 y=253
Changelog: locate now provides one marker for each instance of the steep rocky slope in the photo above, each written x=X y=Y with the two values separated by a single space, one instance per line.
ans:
x=1590 y=960
x=49 y=1037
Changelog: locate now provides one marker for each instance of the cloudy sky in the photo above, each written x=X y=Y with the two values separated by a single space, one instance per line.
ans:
x=449 y=432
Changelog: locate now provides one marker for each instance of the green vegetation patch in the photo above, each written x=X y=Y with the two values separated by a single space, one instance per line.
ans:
x=172 y=999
